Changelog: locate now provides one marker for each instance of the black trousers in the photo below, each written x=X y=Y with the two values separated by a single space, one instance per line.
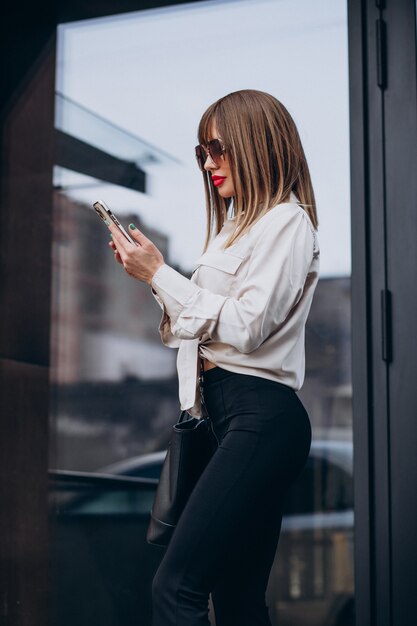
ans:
x=226 y=538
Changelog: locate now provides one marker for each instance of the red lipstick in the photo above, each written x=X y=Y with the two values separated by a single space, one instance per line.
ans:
x=218 y=180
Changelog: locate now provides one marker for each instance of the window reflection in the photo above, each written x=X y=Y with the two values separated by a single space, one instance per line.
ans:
x=114 y=384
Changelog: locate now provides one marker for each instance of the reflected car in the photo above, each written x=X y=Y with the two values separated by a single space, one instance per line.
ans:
x=103 y=567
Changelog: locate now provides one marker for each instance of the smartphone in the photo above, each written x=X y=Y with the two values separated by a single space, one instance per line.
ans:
x=104 y=212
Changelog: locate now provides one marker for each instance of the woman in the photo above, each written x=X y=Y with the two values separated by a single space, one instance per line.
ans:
x=240 y=322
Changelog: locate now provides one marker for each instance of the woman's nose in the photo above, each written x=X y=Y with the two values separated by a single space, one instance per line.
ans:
x=210 y=164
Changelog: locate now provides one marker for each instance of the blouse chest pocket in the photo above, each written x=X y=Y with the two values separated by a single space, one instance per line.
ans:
x=216 y=271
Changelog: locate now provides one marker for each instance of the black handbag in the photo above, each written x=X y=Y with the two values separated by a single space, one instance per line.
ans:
x=191 y=446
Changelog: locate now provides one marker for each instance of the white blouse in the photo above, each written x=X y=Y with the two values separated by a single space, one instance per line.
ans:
x=245 y=307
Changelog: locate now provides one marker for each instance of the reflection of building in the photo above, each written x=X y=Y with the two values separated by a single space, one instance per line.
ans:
x=115 y=390
x=93 y=146
x=105 y=323
x=327 y=388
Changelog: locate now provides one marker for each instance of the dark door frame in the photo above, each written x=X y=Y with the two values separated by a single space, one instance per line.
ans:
x=383 y=103
x=400 y=127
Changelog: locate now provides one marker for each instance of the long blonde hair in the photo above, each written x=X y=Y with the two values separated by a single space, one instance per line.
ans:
x=266 y=159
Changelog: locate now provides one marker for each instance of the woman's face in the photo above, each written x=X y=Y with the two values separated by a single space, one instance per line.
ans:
x=220 y=174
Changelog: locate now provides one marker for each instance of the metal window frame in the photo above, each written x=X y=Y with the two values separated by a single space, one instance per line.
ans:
x=383 y=103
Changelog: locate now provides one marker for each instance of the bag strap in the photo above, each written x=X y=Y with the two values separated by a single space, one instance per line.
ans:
x=204 y=412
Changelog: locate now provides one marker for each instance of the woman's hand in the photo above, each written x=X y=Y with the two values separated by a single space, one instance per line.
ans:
x=139 y=261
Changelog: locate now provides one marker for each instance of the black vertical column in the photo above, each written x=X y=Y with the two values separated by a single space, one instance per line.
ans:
x=26 y=125
x=378 y=415
x=401 y=224
x=370 y=342
x=361 y=309
x=383 y=100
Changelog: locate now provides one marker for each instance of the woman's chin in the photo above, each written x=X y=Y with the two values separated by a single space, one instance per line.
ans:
x=226 y=193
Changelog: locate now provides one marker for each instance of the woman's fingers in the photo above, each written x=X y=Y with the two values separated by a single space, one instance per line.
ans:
x=121 y=243
x=122 y=246
x=140 y=261
x=138 y=236
x=116 y=254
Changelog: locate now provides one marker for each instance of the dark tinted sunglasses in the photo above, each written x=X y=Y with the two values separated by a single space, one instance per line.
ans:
x=214 y=148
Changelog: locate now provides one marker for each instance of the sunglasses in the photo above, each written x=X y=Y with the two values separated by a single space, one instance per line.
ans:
x=214 y=148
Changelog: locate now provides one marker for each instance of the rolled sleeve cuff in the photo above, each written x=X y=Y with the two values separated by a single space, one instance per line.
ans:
x=158 y=299
x=173 y=289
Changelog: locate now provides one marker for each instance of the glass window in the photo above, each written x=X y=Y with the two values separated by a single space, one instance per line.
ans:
x=130 y=91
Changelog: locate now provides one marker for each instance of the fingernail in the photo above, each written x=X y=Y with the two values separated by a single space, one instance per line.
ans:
x=107 y=223
x=132 y=226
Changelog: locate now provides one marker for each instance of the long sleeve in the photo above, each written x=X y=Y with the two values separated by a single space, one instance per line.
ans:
x=167 y=338
x=273 y=284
